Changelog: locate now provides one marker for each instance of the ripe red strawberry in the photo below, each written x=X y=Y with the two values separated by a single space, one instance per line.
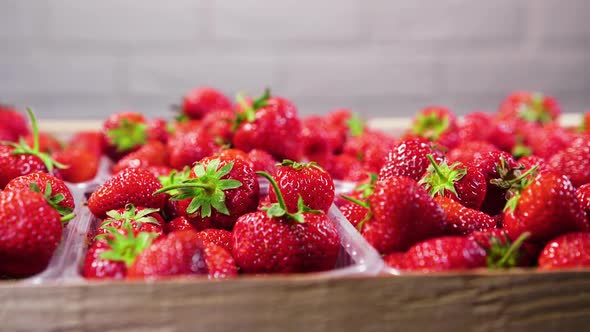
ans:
x=18 y=159
x=55 y=191
x=583 y=195
x=475 y=127
x=500 y=251
x=187 y=148
x=217 y=192
x=503 y=135
x=152 y=153
x=316 y=141
x=138 y=220
x=47 y=143
x=96 y=267
x=395 y=260
x=465 y=184
x=574 y=161
x=159 y=171
x=437 y=124
x=124 y=132
x=409 y=158
x=529 y=107
x=445 y=254
x=230 y=154
x=183 y=253
x=530 y=161
x=91 y=141
x=13 y=122
x=200 y=101
x=403 y=214
x=262 y=161
x=567 y=251
x=546 y=207
x=468 y=151
x=220 y=125
x=277 y=241
x=130 y=186
x=220 y=237
x=357 y=214
x=158 y=130
x=500 y=172
x=31 y=231
x=270 y=124
x=344 y=167
x=462 y=220
x=81 y=164
x=112 y=253
x=303 y=181
x=548 y=140
x=178 y=224
x=371 y=148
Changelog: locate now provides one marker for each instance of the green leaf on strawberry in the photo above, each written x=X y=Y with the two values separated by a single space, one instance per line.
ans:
x=206 y=190
x=249 y=112
x=442 y=177
x=430 y=126
x=125 y=248
x=128 y=135
x=130 y=214
x=66 y=213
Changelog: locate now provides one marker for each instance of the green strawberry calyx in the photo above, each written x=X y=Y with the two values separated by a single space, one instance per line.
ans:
x=356 y=125
x=503 y=253
x=125 y=247
x=249 y=111
x=534 y=110
x=441 y=177
x=367 y=188
x=207 y=189
x=279 y=209
x=131 y=214
x=513 y=181
x=298 y=165
x=175 y=177
x=66 y=213
x=23 y=148
x=430 y=126
x=128 y=135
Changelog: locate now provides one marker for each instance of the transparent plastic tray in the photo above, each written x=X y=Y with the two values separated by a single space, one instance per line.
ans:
x=356 y=256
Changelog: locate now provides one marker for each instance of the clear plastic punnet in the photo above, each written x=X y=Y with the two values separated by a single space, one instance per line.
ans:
x=356 y=256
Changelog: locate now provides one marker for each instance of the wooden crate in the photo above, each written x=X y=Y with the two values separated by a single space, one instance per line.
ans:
x=518 y=300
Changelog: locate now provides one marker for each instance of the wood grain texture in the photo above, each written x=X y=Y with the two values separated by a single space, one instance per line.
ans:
x=514 y=301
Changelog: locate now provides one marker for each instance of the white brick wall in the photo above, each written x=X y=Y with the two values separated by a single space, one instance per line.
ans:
x=73 y=58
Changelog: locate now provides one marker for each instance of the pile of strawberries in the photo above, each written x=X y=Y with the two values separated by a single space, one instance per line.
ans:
x=244 y=187
x=496 y=190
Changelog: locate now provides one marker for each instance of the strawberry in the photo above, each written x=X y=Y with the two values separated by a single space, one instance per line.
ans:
x=96 y=267
x=130 y=186
x=124 y=132
x=178 y=224
x=370 y=148
x=182 y=253
x=465 y=184
x=503 y=135
x=220 y=237
x=403 y=214
x=437 y=124
x=303 y=181
x=529 y=107
x=529 y=162
x=356 y=214
x=138 y=219
x=91 y=141
x=157 y=130
x=13 y=122
x=159 y=171
x=445 y=254
x=81 y=164
x=409 y=158
x=395 y=260
x=203 y=100
x=18 y=159
x=47 y=143
x=262 y=161
x=220 y=124
x=567 y=251
x=31 y=232
x=500 y=251
x=270 y=124
x=468 y=151
x=583 y=195
x=546 y=207
x=112 y=253
x=55 y=191
x=574 y=161
x=218 y=191
x=475 y=127
x=276 y=241
x=187 y=148
x=344 y=167
x=316 y=141
x=462 y=220
x=547 y=140
x=152 y=153
x=500 y=171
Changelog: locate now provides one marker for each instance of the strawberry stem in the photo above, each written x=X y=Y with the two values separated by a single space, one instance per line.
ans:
x=35 y=130
x=275 y=186
x=356 y=201
x=437 y=169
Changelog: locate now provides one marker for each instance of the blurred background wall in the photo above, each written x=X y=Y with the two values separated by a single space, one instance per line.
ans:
x=73 y=58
